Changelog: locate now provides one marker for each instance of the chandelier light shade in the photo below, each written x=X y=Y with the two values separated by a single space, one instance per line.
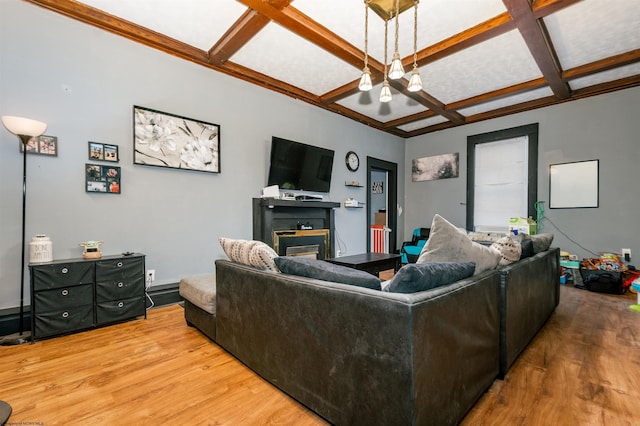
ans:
x=415 y=82
x=365 y=80
x=385 y=93
x=397 y=70
x=25 y=129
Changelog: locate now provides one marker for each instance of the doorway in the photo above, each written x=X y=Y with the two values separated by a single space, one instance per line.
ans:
x=382 y=194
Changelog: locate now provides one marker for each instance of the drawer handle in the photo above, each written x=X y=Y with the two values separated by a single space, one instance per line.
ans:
x=65 y=315
x=120 y=305
x=65 y=292
x=120 y=284
x=119 y=264
x=65 y=270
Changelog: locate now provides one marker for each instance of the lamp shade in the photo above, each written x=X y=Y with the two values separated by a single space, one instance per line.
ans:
x=23 y=126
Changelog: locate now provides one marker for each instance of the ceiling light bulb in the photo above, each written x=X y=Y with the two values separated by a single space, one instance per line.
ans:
x=365 y=81
x=415 y=82
x=397 y=70
x=385 y=93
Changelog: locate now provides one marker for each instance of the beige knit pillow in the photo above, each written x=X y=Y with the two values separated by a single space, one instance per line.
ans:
x=249 y=252
x=509 y=249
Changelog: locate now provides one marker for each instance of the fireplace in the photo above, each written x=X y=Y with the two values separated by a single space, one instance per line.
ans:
x=313 y=243
x=301 y=227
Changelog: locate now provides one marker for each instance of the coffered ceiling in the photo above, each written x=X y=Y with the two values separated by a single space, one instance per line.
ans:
x=478 y=59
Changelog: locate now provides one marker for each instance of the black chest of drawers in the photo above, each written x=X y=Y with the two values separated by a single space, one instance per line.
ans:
x=77 y=294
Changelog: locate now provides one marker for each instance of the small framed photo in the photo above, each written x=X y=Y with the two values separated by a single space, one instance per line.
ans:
x=103 y=152
x=96 y=151
x=111 y=153
x=44 y=145
x=103 y=179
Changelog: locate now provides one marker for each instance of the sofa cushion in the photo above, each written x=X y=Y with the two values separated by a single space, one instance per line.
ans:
x=251 y=253
x=509 y=248
x=450 y=244
x=541 y=242
x=200 y=290
x=416 y=277
x=326 y=271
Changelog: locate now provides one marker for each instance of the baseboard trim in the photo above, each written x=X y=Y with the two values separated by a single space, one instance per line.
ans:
x=162 y=295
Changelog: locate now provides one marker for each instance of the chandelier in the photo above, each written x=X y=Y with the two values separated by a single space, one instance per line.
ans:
x=387 y=11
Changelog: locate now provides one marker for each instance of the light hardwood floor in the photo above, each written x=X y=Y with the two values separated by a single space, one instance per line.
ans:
x=582 y=369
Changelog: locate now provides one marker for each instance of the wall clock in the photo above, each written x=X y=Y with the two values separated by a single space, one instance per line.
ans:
x=352 y=160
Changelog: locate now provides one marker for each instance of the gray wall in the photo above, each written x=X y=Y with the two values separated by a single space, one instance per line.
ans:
x=604 y=127
x=83 y=82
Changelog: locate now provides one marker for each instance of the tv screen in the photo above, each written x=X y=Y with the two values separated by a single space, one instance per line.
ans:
x=299 y=166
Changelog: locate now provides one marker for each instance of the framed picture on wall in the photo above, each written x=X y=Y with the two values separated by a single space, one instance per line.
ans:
x=574 y=185
x=102 y=179
x=168 y=140
x=103 y=152
x=44 y=145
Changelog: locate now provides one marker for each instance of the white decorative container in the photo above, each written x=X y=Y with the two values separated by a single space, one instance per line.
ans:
x=40 y=249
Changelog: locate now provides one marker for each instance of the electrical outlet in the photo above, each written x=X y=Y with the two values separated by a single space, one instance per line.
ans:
x=338 y=253
x=626 y=254
x=151 y=275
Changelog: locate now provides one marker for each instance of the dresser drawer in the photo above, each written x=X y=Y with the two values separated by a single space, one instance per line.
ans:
x=117 y=290
x=122 y=269
x=62 y=275
x=63 y=321
x=118 y=310
x=63 y=298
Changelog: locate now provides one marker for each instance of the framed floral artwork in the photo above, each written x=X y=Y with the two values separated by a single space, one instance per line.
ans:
x=168 y=140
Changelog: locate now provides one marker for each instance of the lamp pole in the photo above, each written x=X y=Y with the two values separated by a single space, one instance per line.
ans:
x=24 y=139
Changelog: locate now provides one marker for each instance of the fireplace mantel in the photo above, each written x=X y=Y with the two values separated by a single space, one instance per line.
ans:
x=272 y=214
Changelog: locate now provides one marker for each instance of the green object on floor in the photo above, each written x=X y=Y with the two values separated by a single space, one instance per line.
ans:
x=635 y=307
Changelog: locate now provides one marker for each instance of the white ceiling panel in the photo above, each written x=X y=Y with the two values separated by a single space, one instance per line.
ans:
x=605 y=77
x=296 y=61
x=199 y=23
x=423 y=123
x=594 y=29
x=508 y=101
x=500 y=62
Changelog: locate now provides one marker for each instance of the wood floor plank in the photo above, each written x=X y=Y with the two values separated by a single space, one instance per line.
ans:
x=583 y=368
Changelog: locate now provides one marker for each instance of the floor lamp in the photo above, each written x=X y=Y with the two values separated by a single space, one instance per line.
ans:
x=25 y=129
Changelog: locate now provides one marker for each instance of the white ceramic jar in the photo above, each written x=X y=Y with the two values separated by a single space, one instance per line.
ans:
x=40 y=249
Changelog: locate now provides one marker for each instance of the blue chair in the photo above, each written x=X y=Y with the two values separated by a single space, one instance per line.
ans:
x=410 y=250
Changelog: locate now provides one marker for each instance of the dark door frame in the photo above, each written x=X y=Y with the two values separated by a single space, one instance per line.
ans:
x=392 y=199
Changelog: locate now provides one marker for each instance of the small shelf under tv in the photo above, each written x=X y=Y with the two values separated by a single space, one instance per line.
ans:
x=353 y=184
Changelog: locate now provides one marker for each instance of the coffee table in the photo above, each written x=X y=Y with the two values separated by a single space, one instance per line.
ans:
x=372 y=263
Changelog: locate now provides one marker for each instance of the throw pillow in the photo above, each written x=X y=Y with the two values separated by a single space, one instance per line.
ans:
x=416 y=277
x=510 y=250
x=541 y=242
x=449 y=244
x=326 y=271
x=526 y=244
x=249 y=252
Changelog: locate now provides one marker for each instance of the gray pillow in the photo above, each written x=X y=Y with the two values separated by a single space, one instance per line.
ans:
x=541 y=242
x=449 y=244
x=326 y=271
x=415 y=277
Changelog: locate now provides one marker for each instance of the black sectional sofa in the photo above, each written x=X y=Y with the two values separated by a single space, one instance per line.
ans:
x=360 y=356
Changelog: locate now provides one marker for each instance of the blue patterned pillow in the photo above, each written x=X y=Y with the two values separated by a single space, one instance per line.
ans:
x=326 y=271
x=416 y=277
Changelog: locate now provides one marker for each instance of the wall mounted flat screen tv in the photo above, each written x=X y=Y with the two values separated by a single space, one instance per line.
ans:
x=298 y=166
